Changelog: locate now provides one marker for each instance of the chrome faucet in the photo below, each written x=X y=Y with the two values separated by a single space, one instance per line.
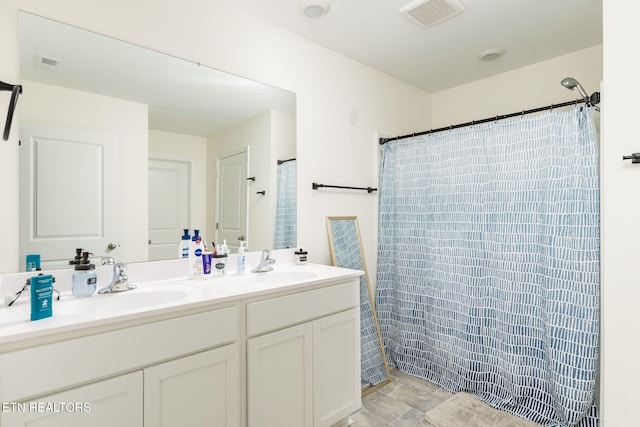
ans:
x=119 y=281
x=266 y=262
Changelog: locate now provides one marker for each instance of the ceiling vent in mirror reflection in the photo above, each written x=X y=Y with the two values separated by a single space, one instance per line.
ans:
x=47 y=63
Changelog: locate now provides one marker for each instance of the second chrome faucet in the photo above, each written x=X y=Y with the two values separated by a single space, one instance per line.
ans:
x=266 y=262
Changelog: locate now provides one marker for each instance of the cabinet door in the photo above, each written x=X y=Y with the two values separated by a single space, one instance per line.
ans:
x=113 y=402
x=199 y=390
x=336 y=367
x=279 y=378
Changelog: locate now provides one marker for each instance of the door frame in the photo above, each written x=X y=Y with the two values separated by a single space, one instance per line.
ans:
x=220 y=156
x=190 y=163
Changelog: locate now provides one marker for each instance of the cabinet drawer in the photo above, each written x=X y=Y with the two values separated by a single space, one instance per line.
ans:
x=33 y=371
x=278 y=313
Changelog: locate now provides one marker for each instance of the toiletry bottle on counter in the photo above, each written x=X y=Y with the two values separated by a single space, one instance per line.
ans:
x=301 y=256
x=219 y=265
x=242 y=258
x=41 y=296
x=207 y=260
x=183 y=246
x=83 y=280
x=224 y=249
x=196 y=269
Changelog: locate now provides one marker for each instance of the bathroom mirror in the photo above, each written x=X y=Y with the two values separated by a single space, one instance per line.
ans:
x=183 y=132
x=346 y=251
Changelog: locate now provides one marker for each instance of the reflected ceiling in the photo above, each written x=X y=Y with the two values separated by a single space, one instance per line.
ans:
x=181 y=96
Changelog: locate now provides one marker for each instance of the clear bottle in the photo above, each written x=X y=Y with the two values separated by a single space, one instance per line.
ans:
x=242 y=258
x=183 y=246
x=84 y=279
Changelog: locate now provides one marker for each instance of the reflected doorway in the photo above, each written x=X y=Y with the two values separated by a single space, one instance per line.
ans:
x=232 y=199
x=169 y=206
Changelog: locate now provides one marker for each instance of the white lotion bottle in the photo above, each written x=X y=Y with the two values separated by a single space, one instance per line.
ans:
x=196 y=268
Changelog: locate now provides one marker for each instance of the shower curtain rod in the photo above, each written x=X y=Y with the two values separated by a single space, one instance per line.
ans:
x=593 y=100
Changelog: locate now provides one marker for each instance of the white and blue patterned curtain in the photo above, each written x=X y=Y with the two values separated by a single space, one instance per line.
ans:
x=286 y=206
x=488 y=263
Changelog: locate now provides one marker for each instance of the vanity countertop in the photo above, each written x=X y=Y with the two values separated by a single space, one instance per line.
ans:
x=157 y=298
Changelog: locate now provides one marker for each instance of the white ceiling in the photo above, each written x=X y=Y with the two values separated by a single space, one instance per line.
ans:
x=373 y=32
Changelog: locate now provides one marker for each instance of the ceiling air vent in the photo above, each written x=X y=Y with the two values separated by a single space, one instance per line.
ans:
x=47 y=63
x=427 y=13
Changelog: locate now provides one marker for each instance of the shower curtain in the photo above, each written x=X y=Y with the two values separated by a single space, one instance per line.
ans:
x=286 y=206
x=488 y=263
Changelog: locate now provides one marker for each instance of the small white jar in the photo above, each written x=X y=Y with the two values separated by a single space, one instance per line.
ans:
x=300 y=256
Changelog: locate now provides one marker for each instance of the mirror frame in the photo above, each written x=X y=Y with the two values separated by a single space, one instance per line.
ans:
x=370 y=300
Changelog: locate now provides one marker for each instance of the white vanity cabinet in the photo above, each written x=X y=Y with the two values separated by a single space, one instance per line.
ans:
x=303 y=358
x=112 y=402
x=199 y=390
x=173 y=372
x=246 y=352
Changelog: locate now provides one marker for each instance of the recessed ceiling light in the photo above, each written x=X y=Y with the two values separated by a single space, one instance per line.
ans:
x=491 y=54
x=315 y=8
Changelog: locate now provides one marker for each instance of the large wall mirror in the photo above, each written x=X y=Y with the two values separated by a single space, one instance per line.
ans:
x=122 y=147
x=346 y=251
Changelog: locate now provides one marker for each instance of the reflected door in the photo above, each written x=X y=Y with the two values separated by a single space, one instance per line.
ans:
x=232 y=199
x=169 y=206
x=68 y=192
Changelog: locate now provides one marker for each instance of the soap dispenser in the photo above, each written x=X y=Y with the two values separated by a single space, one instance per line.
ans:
x=83 y=280
x=242 y=258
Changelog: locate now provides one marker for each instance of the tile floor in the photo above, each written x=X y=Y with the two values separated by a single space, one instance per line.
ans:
x=402 y=403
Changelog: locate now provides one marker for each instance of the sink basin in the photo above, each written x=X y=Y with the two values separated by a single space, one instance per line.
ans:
x=273 y=277
x=142 y=298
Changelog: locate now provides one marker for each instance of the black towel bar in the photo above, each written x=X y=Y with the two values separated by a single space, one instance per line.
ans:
x=315 y=186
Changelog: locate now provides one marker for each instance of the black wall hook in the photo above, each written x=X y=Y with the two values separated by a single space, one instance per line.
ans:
x=15 y=90
x=634 y=157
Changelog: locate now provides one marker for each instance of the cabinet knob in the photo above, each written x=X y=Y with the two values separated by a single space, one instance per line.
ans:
x=111 y=246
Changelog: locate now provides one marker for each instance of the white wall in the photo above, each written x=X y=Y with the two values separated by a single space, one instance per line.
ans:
x=529 y=87
x=254 y=136
x=57 y=106
x=341 y=104
x=620 y=213
x=192 y=149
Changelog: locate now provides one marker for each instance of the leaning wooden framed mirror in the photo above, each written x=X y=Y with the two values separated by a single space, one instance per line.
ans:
x=346 y=251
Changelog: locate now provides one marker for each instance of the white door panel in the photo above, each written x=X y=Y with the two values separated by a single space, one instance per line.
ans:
x=232 y=199
x=69 y=187
x=169 y=206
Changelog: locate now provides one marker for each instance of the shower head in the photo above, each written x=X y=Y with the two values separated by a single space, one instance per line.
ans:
x=571 y=83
